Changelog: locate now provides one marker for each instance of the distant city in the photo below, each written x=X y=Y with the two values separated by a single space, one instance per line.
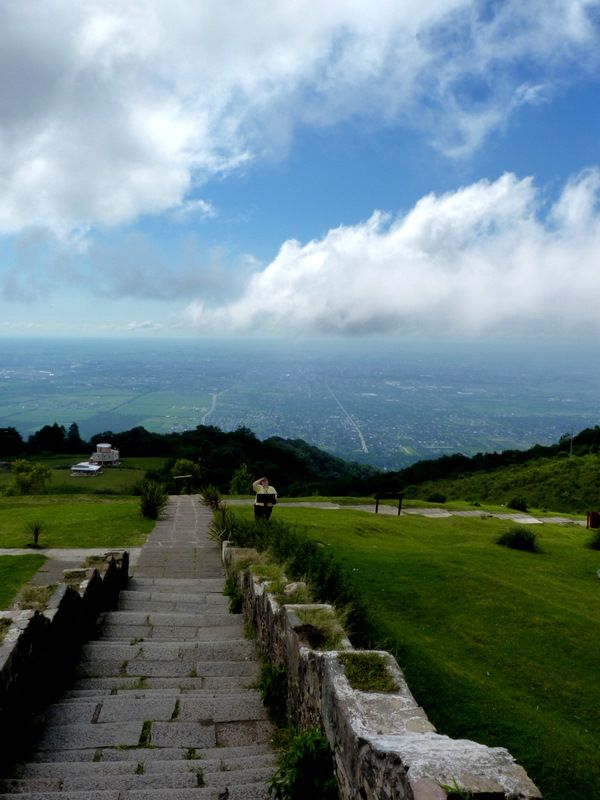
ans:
x=380 y=403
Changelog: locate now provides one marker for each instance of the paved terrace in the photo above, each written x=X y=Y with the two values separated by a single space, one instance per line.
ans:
x=162 y=707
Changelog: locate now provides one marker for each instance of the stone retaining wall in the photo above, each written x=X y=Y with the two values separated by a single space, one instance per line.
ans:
x=384 y=746
x=39 y=649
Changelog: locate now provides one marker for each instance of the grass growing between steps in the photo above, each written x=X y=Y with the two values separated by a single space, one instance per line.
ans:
x=498 y=645
x=14 y=572
x=84 y=521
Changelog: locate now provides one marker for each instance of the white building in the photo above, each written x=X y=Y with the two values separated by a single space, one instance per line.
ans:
x=105 y=455
x=85 y=468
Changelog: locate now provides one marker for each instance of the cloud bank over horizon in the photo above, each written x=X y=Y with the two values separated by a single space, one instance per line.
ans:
x=115 y=111
x=489 y=258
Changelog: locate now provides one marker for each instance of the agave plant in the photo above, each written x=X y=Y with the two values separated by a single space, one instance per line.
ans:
x=153 y=498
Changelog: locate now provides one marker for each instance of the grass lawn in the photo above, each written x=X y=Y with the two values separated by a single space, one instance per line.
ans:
x=14 y=572
x=113 y=480
x=498 y=645
x=74 y=521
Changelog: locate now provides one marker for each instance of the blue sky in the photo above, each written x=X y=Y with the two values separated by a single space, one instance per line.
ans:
x=396 y=168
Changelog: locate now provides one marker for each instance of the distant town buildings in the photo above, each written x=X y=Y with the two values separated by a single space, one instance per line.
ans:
x=105 y=456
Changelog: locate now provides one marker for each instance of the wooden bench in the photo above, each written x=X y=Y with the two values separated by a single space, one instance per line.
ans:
x=388 y=496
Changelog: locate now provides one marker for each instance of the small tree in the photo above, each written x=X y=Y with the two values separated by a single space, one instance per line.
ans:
x=35 y=527
x=183 y=466
x=241 y=480
x=29 y=477
x=153 y=499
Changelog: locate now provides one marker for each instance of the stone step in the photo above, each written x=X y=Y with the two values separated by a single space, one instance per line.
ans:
x=166 y=619
x=161 y=707
x=181 y=624
x=155 y=734
x=188 y=606
x=220 y=631
x=217 y=682
x=251 y=791
x=193 y=777
x=206 y=585
x=149 y=595
x=148 y=754
x=238 y=649
x=83 y=696
x=145 y=669
x=61 y=769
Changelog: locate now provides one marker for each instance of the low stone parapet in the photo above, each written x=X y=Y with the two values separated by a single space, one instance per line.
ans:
x=383 y=744
x=40 y=648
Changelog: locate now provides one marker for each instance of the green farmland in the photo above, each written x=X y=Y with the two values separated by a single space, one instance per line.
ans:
x=498 y=645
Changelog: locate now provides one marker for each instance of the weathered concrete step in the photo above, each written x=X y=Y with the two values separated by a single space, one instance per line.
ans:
x=189 y=606
x=186 y=708
x=169 y=619
x=150 y=734
x=217 y=682
x=147 y=755
x=165 y=596
x=207 y=585
x=183 y=605
x=141 y=669
x=61 y=769
x=194 y=777
x=205 y=632
x=82 y=696
x=235 y=650
x=254 y=791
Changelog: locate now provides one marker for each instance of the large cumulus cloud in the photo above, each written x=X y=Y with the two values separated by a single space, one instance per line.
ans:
x=114 y=110
x=489 y=257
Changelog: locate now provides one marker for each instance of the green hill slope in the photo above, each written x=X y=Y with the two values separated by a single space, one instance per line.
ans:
x=569 y=484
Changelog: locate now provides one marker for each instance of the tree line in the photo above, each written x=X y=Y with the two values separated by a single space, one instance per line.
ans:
x=296 y=466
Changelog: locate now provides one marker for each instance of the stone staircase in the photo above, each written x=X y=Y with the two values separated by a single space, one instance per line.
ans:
x=162 y=707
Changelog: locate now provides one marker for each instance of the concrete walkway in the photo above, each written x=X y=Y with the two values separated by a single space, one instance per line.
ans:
x=163 y=706
x=432 y=513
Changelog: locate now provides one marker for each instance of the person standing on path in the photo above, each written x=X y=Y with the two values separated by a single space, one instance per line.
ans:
x=266 y=497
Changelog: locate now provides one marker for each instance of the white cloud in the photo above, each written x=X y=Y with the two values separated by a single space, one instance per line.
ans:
x=114 y=110
x=145 y=325
x=482 y=259
x=195 y=208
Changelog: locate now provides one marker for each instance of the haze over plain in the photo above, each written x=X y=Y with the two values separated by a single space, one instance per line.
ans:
x=397 y=169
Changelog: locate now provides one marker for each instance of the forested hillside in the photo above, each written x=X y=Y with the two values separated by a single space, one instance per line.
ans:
x=562 y=477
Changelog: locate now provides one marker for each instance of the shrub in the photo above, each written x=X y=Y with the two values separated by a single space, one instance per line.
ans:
x=223 y=525
x=210 y=496
x=594 y=542
x=35 y=528
x=272 y=685
x=436 y=497
x=305 y=769
x=233 y=592
x=153 y=499
x=517 y=504
x=519 y=538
